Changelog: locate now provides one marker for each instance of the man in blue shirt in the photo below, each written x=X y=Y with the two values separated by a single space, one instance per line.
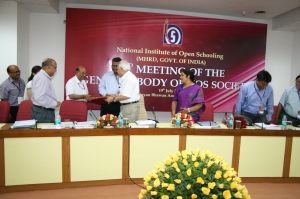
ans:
x=256 y=99
x=289 y=104
x=110 y=85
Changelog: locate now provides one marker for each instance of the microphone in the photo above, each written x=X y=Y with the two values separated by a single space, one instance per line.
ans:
x=95 y=118
x=153 y=113
x=262 y=122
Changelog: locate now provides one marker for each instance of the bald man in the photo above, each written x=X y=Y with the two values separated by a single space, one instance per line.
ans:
x=76 y=88
x=12 y=90
x=43 y=94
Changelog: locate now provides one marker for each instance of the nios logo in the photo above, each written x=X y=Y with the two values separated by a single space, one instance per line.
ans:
x=172 y=34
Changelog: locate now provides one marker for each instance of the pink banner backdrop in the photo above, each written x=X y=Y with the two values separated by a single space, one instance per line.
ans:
x=223 y=54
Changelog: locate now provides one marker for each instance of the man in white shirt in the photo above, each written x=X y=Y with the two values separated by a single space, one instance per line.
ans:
x=129 y=93
x=76 y=88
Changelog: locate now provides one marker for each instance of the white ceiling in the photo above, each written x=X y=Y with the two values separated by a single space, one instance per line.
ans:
x=280 y=9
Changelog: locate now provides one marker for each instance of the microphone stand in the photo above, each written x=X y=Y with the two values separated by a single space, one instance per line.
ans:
x=262 y=123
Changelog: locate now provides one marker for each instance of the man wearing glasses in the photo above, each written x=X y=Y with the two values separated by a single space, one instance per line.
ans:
x=109 y=86
x=76 y=88
x=43 y=93
x=12 y=90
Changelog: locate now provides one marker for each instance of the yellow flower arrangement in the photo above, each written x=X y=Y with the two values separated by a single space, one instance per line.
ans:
x=193 y=174
x=107 y=120
x=185 y=119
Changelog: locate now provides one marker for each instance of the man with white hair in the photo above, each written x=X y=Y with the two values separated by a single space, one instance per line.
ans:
x=129 y=93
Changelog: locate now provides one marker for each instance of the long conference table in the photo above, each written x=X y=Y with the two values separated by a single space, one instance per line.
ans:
x=37 y=159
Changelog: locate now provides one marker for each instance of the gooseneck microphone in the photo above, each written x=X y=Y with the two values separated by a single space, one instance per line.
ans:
x=262 y=122
x=95 y=118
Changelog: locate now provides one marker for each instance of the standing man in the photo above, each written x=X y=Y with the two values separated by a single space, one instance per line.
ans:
x=109 y=86
x=289 y=104
x=43 y=93
x=129 y=93
x=76 y=88
x=254 y=97
x=12 y=90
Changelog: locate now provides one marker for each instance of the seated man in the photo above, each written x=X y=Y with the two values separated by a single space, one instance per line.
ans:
x=253 y=97
x=76 y=88
x=289 y=104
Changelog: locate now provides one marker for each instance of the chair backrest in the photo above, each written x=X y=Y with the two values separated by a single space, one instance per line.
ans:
x=274 y=113
x=233 y=109
x=208 y=114
x=5 y=108
x=73 y=110
x=24 y=112
x=143 y=112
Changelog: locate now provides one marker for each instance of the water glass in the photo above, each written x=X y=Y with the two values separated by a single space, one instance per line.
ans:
x=126 y=120
x=238 y=124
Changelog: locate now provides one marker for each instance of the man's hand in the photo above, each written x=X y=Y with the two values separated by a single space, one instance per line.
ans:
x=87 y=97
x=109 y=99
x=58 y=103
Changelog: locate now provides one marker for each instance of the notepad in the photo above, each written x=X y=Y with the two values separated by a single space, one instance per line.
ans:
x=268 y=126
x=24 y=124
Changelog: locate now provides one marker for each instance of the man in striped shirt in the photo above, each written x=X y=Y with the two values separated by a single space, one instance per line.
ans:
x=12 y=90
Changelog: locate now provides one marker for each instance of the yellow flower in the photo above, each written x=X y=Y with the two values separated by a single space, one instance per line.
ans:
x=202 y=156
x=162 y=169
x=194 y=158
x=175 y=158
x=238 y=195
x=237 y=179
x=233 y=185
x=196 y=164
x=164 y=184
x=178 y=170
x=226 y=194
x=211 y=185
x=141 y=196
x=214 y=196
x=184 y=162
x=155 y=175
x=205 y=190
x=204 y=171
x=188 y=186
x=184 y=154
x=178 y=153
x=153 y=193
x=221 y=186
x=218 y=174
x=177 y=181
x=200 y=180
x=164 y=197
x=146 y=183
x=179 y=197
x=168 y=161
x=175 y=165
x=171 y=187
x=143 y=191
x=156 y=182
x=240 y=187
x=189 y=172
x=226 y=175
x=209 y=163
x=194 y=196
x=167 y=176
x=108 y=124
x=196 y=152
x=149 y=188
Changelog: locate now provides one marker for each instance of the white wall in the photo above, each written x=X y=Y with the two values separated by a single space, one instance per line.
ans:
x=295 y=69
x=8 y=36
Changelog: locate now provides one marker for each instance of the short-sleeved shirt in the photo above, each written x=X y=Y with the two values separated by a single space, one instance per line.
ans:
x=130 y=87
x=290 y=100
x=10 y=90
x=28 y=86
x=74 y=86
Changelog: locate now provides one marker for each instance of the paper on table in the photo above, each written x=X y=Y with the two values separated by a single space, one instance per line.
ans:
x=268 y=126
x=24 y=124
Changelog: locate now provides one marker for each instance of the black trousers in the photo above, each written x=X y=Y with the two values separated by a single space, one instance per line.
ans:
x=254 y=118
x=13 y=113
x=112 y=108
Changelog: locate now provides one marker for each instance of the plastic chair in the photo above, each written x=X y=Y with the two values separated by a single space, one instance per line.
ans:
x=5 y=108
x=24 y=112
x=208 y=114
x=73 y=110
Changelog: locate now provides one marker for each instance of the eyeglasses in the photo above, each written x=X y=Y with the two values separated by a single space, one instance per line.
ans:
x=16 y=72
x=54 y=66
x=83 y=73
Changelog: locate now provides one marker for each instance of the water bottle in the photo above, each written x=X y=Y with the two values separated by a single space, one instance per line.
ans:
x=230 y=121
x=284 y=122
x=57 y=119
x=120 y=118
x=177 y=121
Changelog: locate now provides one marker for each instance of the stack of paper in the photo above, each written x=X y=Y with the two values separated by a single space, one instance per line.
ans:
x=149 y=123
x=24 y=124
x=268 y=126
x=208 y=123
